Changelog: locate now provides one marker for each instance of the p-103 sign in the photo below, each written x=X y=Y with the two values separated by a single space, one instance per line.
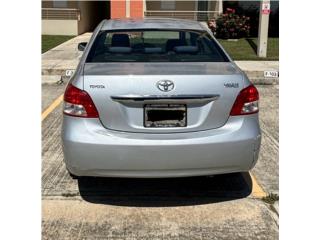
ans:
x=271 y=74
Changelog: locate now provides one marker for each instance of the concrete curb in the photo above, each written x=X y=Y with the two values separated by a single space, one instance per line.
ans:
x=52 y=75
x=50 y=79
x=264 y=81
x=71 y=65
x=53 y=79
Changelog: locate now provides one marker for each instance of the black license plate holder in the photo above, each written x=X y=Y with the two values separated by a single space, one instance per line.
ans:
x=165 y=115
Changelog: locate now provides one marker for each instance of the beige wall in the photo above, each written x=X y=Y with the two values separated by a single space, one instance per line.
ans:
x=185 y=5
x=214 y=5
x=91 y=13
x=68 y=27
x=152 y=5
x=47 y=4
x=59 y=27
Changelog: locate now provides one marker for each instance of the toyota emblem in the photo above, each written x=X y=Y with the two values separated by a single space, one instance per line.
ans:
x=165 y=85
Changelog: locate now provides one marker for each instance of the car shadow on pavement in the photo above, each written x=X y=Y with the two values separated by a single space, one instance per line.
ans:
x=166 y=192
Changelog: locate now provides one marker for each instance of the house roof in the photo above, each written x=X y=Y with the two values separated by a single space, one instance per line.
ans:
x=151 y=23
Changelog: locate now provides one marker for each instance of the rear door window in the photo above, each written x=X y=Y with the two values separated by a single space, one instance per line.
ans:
x=155 y=46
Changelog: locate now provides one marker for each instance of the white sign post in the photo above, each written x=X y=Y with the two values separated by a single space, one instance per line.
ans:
x=263 y=28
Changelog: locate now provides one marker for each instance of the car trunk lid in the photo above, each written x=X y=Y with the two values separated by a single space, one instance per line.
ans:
x=127 y=95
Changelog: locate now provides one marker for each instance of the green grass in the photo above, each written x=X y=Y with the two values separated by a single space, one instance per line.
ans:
x=51 y=41
x=245 y=49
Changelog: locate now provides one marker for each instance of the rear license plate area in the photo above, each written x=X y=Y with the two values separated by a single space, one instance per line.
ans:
x=165 y=115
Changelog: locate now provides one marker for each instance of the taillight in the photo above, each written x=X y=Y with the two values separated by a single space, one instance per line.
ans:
x=78 y=103
x=247 y=102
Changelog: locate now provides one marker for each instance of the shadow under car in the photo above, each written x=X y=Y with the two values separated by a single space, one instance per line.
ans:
x=165 y=192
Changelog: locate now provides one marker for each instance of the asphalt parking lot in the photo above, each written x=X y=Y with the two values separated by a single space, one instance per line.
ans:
x=227 y=206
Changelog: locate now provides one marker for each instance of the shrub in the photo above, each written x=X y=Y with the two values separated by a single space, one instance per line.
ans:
x=230 y=25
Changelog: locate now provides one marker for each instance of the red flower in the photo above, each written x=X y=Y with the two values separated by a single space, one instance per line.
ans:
x=230 y=10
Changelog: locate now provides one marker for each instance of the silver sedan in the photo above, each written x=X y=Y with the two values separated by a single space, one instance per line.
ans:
x=158 y=98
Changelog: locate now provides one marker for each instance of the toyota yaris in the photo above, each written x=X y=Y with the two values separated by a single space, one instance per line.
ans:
x=158 y=98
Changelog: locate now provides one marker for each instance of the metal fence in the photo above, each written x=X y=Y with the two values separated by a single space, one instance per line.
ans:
x=61 y=14
x=192 y=15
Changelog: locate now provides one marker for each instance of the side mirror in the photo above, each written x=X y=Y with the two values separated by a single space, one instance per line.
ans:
x=82 y=46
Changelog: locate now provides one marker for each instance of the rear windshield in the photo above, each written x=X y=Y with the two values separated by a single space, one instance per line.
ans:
x=155 y=46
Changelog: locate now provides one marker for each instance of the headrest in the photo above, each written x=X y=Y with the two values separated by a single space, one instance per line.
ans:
x=171 y=43
x=120 y=40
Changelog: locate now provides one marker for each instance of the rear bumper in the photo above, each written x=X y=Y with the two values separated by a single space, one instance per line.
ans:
x=91 y=150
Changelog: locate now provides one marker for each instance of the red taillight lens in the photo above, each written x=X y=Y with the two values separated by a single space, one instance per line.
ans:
x=78 y=103
x=247 y=102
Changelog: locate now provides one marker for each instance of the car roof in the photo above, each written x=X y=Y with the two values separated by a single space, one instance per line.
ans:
x=151 y=23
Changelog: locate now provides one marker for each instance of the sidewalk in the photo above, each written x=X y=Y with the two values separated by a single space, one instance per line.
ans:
x=255 y=70
x=64 y=57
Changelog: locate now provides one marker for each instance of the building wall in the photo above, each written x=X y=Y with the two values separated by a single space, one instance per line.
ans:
x=179 y=5
x=136 y=9
x=195 y=10
x=47 y=4
x=58 y=22
x=214 y=5
x=118 y=8
x=87 y=16
x=50 y=4
x=59 y=27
